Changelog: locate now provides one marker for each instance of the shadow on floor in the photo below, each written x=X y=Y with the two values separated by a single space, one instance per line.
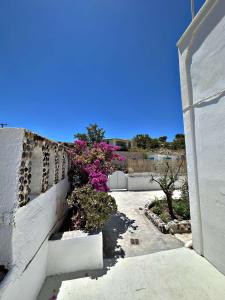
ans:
x=112 y=232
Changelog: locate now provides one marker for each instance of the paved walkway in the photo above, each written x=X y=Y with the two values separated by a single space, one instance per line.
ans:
x=131 y=223
x=178 y=274
x=143 y=271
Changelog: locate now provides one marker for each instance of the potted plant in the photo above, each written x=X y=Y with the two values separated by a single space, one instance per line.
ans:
x=79 y=243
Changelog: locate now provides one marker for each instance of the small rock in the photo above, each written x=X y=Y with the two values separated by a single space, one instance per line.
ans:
x=189 y=244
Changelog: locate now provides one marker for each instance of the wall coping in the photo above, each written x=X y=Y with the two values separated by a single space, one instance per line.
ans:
x=200 y=16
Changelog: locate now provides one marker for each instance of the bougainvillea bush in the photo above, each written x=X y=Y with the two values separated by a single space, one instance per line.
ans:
x=89 y=203
x=92 y=165
x=91 y=209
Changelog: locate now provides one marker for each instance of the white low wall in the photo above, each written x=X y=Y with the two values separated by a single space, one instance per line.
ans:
x=75 y=251
x=143 y=183
x=136 y=182
x=33 y=225
x=27 y=284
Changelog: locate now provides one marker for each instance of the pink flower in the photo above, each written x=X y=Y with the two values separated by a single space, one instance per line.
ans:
x=95 y=161
x=80 y=144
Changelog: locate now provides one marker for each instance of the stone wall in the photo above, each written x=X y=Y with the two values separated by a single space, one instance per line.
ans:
x=33 y=185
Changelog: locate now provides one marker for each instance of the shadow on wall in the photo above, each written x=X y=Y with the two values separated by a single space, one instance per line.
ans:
x=112 y=232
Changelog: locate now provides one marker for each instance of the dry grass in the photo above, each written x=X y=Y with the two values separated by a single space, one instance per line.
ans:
x=146 y=165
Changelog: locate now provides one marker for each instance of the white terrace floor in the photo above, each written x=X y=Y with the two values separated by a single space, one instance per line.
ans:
x=159 y=268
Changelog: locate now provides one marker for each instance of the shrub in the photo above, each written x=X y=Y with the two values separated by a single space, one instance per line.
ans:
x=165 y=216
x=182 y=209
x=77 y=177
x=91 y=208
x=158 y=207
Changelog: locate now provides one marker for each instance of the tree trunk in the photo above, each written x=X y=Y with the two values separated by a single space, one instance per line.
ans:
x=170 y=206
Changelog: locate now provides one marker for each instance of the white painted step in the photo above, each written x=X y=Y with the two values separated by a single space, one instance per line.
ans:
x=178 y=274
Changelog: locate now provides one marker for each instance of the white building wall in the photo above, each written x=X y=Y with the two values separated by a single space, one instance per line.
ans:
x=202 y=69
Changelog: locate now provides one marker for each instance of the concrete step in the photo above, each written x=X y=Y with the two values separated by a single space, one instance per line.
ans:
x=178 y=274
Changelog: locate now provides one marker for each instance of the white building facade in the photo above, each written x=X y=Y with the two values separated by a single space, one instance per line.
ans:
x=202 y=72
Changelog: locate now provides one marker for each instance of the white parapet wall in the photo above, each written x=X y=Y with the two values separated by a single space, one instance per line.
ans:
x=136 y=182
x=31 y=208
x=143 y=182
x=74 y=251
x=202 y=71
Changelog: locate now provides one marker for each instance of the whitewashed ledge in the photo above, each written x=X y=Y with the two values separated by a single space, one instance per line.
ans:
x=74 y=251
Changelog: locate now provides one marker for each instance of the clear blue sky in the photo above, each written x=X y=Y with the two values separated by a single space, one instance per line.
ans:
x=67 y=63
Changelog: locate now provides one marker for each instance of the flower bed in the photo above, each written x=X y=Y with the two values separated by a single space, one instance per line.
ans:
x=156 y=211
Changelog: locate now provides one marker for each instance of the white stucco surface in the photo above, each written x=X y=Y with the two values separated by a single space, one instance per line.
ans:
x=117 y=180
x=36 y=220
x=33 y=225
x=10 y=158
x=24 y=231
x=26 y=285
x=142 y=182
x=135 y=182
x=75 y=251
x=202 y=56
x=178 y=274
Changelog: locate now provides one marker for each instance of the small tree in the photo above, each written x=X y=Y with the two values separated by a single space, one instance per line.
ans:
x=94 y=134
x=169 y=175
x=153 y=144
x=163 y=139
x=179 y=141
x=81 y=137
x=142 y=141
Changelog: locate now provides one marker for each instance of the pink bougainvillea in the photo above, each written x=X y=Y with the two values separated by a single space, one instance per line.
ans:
x=95 y=161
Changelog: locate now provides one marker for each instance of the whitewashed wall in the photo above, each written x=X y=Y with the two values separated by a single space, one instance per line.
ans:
x=202 y=70
x=142 y=182
x=136 y=182
x=25 y=228
x=10 y=158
